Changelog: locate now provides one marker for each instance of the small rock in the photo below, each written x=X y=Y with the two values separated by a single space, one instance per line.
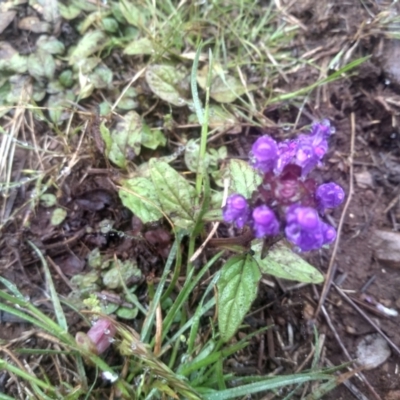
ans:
x=351 y=330
x=386 y=245
x=372 y=351
x=364 y=179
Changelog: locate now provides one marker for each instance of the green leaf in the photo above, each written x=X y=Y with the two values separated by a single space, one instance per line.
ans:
x=109 y=25
x=50 y=44
x=152 y=138
x=134 y=15
x=58 y=216
x=94 y=258
x=48 y=200
x=224 y=88
x=174 y=192
x=92 y=42
x=282 y=262
x=124 y=271
x=126 y=139
x=237 y=289
x=138 y=194
x=191 y=156
x=169 y=83
x=66 y=78
x=222 y=120
x=101 y=77
x=10 y=60
x=139 y=47
x=244 y=178
x=69 y=12
x=41 y=64
x=127 y=313
x=106 y=136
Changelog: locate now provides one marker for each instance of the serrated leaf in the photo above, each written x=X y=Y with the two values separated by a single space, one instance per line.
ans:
x=140 y=47
x=140 y=197
x=58 y=216
x=169 y=83
x=237 y=289
x=126 y=139
x=282 y=262
x=91 y=43
x=244 y=178
x=174 y=193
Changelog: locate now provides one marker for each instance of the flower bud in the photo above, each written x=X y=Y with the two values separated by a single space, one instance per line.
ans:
x=99 y=337
x=329 y=195
x=264 y=222
x=236 y=210
x=264 y=153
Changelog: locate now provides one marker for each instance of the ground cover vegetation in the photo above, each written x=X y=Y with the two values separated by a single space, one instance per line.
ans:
x=162 y=173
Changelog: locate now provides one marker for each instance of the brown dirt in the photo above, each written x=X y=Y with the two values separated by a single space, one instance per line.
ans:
x=90 y=198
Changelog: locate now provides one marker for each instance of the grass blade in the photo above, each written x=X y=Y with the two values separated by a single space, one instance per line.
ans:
x=60 y=316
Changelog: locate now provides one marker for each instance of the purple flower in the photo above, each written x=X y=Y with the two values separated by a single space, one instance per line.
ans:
x=305 y=229
x=323 y=128
x=312 y=148
x=329 y=195
x=286 y=152
x=264 y=222
x=236 y=210
x=264 y=153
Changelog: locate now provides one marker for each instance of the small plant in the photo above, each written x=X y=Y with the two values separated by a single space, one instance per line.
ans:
x=286 y=194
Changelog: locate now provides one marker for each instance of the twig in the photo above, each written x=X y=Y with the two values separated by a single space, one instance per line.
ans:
x=332 y=265
x=352 y=388
x=346 y=353
x=368 y=319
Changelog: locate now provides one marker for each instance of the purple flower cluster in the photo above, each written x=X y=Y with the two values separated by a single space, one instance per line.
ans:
x=286 y=198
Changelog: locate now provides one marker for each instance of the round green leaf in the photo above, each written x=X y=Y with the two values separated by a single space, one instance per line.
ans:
x=48 y=200
x=127 y=313
x=58 y=216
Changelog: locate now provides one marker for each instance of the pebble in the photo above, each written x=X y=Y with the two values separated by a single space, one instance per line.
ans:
x=372 y=351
